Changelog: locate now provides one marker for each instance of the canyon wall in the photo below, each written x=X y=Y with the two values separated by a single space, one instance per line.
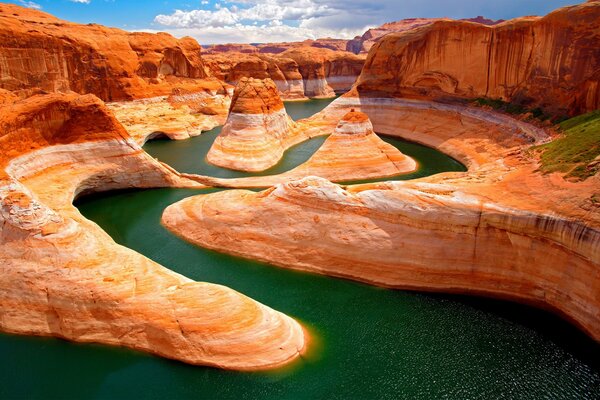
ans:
x=362 y=44
x=61 y=275
x=39 y=50
x=299 y=71
x=502 y=229
x=550 y=62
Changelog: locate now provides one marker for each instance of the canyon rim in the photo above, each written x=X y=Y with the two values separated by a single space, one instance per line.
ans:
x=251 y=200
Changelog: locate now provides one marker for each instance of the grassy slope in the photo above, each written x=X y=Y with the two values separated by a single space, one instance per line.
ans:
x=574 y=152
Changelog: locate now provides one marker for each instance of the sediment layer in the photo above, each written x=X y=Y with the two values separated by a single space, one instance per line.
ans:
x=549 y=62
x=501 y=229
x=61 y=275
x=257 y=128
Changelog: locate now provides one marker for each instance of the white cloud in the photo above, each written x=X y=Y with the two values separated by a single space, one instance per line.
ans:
x=81 y=1
x=223 y=15
x=262 y=33
x=256 y=21
x=290 y=20
x=30 y=4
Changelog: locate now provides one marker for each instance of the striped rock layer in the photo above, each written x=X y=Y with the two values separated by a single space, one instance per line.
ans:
x=257 y=128
x=501 y=229
x=61 y=275
x=352 y=152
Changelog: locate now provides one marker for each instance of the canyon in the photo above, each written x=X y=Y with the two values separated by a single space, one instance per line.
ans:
x=549 y=62
x=501 y=229
x=63 y=276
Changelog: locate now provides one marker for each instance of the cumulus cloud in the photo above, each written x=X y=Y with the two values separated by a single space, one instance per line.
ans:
x=82 y=1
x=30 y=4
x=291 y=20
x=295 y=10
x=275 y=31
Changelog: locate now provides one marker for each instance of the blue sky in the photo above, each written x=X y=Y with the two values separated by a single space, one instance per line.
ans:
x=243 y=21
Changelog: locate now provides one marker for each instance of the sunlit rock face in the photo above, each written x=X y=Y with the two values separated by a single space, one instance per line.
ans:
x=299 y=71
x=233 y=66
x=549 y=62
x=39 y=50
x=353 y=151
x=61 y=275
x=257 y=128
x=181 y=115
x=501 y=229
x=325 y=71
x=362 y=44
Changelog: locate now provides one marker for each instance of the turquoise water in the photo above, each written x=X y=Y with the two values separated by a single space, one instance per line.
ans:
x=370 y=342
x=190 y=155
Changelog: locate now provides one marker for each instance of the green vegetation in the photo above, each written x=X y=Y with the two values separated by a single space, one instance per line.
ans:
x=577 y=152
x=510 y=108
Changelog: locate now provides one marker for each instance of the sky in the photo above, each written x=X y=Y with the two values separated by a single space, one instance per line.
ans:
x=259 y=21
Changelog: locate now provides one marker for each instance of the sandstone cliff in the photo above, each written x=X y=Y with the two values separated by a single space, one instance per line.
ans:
x=362 y=44
x=325 y=71
x=257 y=128
x=298 y=71
x=550 y=62
x=61 y=275
x=501 y=229
x=39 y=50
x=231 y=67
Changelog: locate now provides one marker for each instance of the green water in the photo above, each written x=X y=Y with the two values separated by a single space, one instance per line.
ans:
x=371 y=342
x=190 y=155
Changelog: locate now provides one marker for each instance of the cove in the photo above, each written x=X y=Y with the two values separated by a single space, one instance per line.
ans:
x=369 y=342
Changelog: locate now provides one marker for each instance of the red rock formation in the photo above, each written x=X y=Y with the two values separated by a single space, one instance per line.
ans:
x=298 y=72
x=362 y=44
x=231 y=67
x=325 y=71
x=550 y=62
x=61 y=275
x=39 y=50
x=257 y=128
x=352 y=152
x=501 y=229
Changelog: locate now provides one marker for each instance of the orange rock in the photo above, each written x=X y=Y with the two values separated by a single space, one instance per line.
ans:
x=181 y=115
x=325 y=71
x=362 y=44
x=231 y=67
x=352 y=152
x=550 y=62
x=501 y=229
x=61 y=275
x=257 y=128
x=39 y=50
x=299 y=71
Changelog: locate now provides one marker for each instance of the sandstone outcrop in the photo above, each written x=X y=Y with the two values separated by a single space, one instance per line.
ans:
x=352 y=152
x=298 y=71
x=325 y=71
x=362 y=44
x=231 y=67
x=257 y=129
x=61 y=275
x=549 y=62
x=39 y=50
x=501 y=229
x=178 y=116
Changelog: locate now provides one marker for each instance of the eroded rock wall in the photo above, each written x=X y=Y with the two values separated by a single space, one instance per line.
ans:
x=39 y=50
x=61 y=275
x=550 y=62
